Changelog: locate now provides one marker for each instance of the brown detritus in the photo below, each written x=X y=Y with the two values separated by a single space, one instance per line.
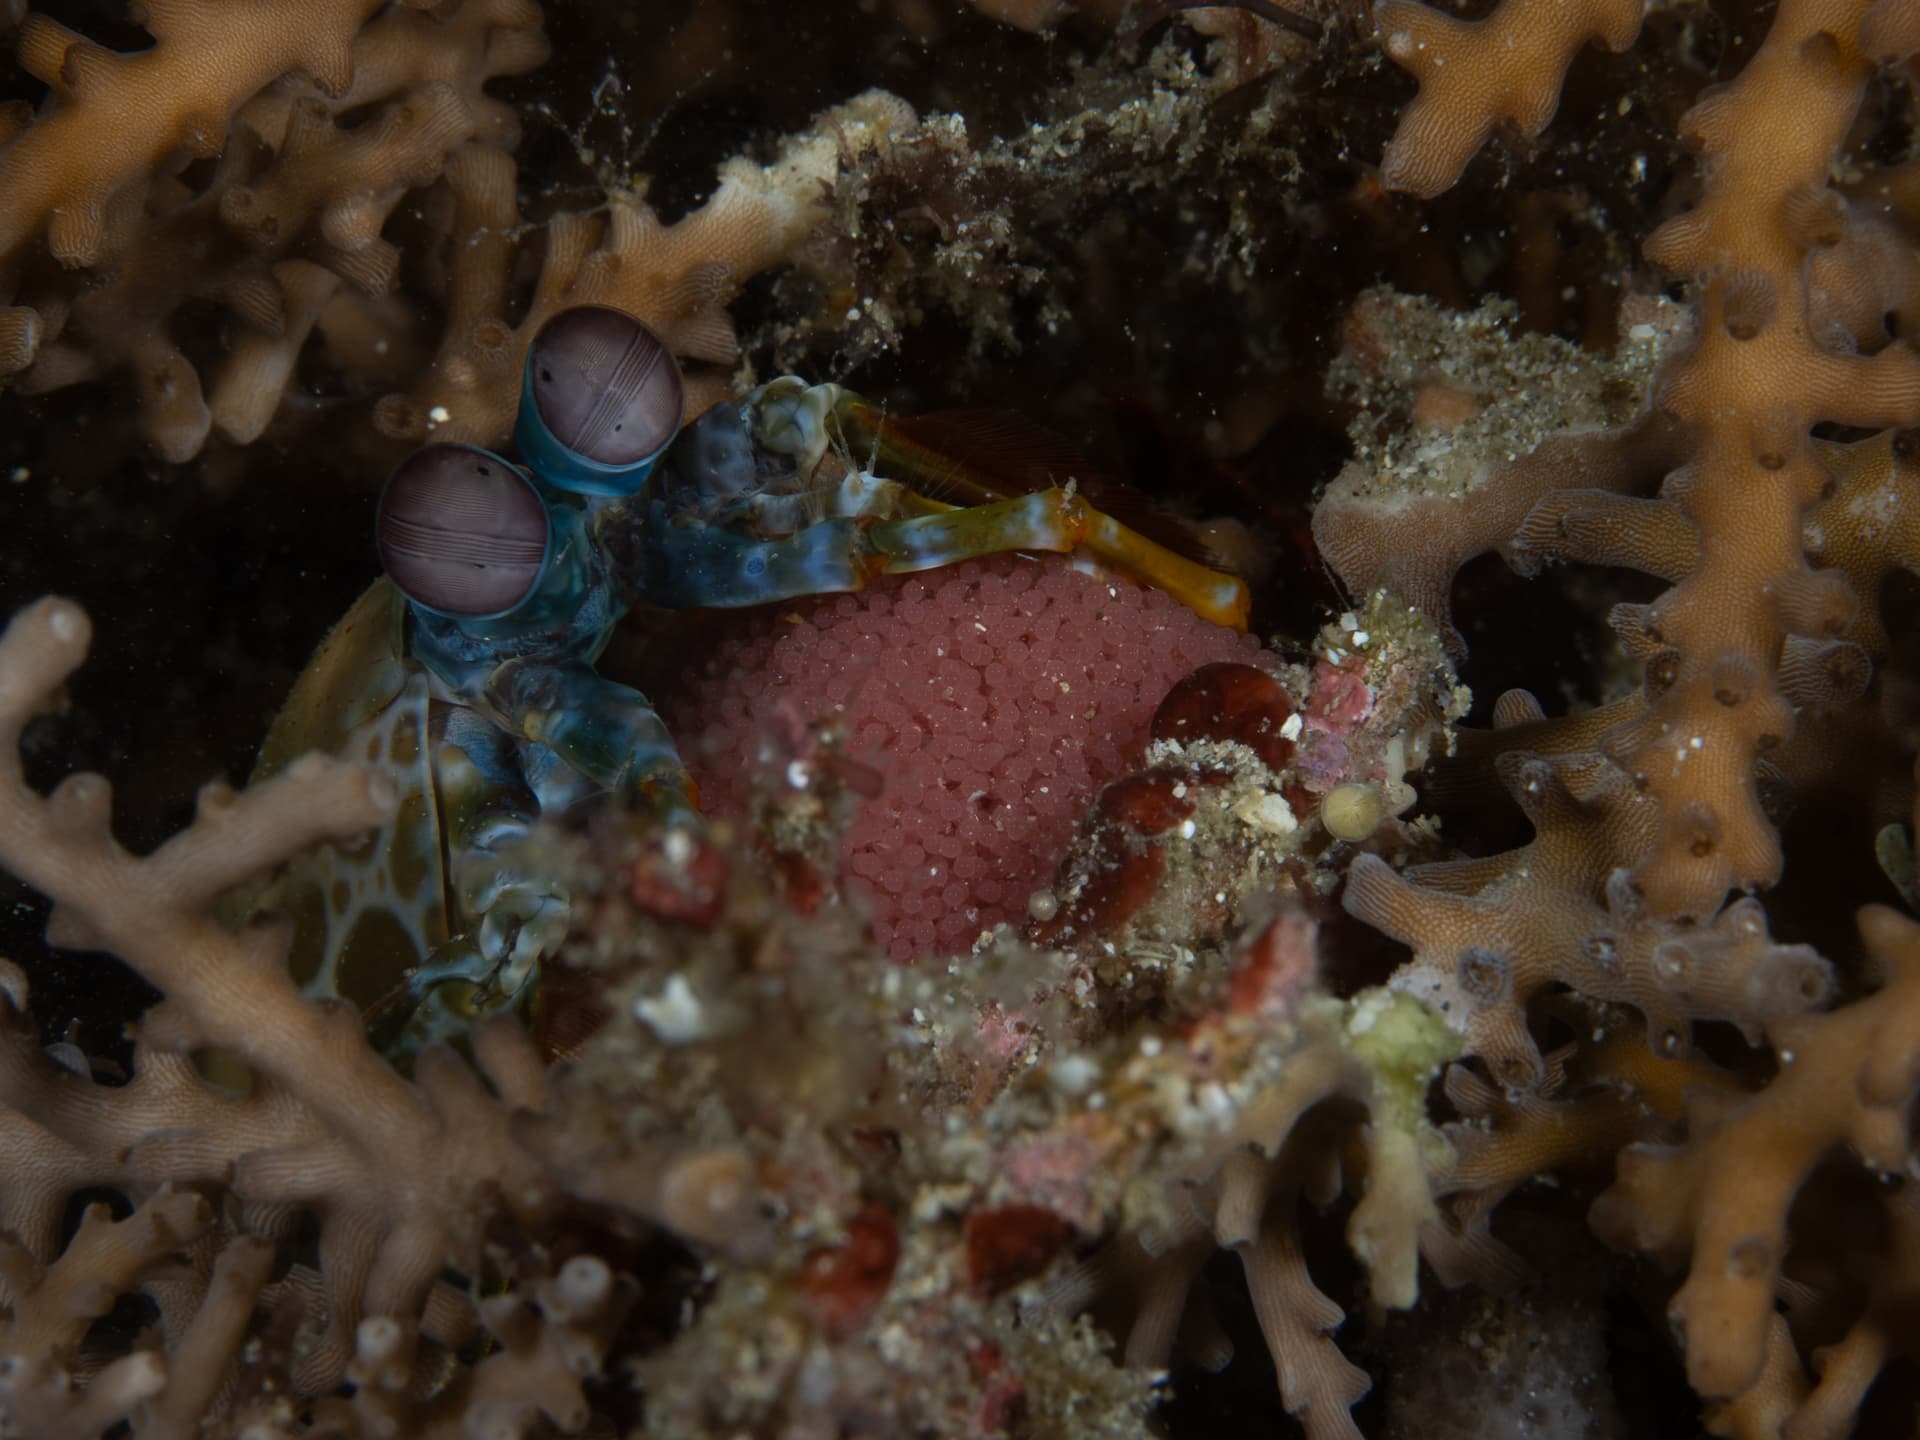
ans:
x=951 y=222
x=568 y=1009
x=1443 y=407
x=1412 y=507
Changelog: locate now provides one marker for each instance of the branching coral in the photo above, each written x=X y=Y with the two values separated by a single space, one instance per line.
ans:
x=921 y=1184
x=71 y=166
x=678 y=278
x=1721 y=646
x=1648 y=810
x=1476 y=74
x=1490 y=935
x=232 y=992
x=318 y=126
x=1849 y=1079
x=1338 y=1111
x=401 y=1175
x=295 y=199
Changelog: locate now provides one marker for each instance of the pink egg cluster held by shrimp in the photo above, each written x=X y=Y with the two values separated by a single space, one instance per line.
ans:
x=995 y=697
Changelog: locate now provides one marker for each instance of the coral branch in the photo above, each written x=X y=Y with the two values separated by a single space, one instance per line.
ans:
x=678 y=278
x=117 y=116
x=1475 y=74
x=1847 y=1078
x=399 y=1172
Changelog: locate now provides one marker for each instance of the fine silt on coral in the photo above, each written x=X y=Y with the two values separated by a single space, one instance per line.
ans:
x=1484 y=999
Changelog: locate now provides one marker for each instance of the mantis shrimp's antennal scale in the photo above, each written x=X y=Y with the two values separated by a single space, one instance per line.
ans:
x=603 y=397
x=462 y=532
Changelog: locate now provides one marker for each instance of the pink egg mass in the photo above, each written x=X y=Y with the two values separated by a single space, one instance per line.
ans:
x=995 y=698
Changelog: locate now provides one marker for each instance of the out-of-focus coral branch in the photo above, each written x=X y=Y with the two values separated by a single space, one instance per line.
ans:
x=400 y=1174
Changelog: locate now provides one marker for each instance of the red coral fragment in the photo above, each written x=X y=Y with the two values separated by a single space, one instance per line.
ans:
x=1011 y=1244
x=1149 y=804
x=1110 y=898
x=1138 y=808
x=680 y=877
x=1270 y=974
x=1120 y=863
x=1228 y=701
x=849 y=1279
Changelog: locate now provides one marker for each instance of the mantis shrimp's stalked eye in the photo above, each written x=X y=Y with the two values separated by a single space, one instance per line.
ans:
x=462 y=532
x=602 y=398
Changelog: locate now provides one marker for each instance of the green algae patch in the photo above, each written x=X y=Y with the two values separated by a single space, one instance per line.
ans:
x=1404 y=1042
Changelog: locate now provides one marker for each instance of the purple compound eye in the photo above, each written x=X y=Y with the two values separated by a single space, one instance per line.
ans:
x=604 y=386
x=462 y=532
